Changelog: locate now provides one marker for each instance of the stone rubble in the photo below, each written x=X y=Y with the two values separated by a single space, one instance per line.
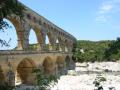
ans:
x=76 y=81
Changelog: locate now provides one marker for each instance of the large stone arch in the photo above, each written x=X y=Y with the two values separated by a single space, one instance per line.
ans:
x=59 y=44
x=19 y=30
x=60 y=64
x=39 y=35
x=25 y=73
x=50 y=40
x=49 y=66
x=66 y=44
x=33 y=40
x=33 y=45
x=56 y=46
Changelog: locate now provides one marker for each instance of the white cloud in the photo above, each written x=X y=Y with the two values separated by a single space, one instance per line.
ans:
x=101 y=18
x=106 y=9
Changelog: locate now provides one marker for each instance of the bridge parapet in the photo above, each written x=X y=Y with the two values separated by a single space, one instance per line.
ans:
x=19 y=52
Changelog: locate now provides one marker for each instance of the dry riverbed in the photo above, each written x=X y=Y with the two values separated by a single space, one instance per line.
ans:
x=84 y=75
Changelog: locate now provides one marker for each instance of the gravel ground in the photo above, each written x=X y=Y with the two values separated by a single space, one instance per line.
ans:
x=75 y=81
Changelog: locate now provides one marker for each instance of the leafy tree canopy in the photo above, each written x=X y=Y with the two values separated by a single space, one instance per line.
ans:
x=90 y=50
x=44 y=81
x=113 y=52
x=8 y=7
x=97 y=51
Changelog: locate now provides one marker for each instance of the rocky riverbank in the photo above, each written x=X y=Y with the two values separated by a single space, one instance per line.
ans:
x=85 y=74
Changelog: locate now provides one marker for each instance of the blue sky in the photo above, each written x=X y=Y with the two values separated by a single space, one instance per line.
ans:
x=85 y=19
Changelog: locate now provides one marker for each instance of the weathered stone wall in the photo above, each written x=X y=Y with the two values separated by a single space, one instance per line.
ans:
x=56 y=58
x=42 y=27
x=52 y=63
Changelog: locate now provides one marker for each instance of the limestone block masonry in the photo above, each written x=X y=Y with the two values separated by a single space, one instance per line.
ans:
x=55 y=58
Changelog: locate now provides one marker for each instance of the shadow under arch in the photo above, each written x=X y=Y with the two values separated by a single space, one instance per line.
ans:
x=60 y=64
x=2 y=77
x=67 y=61
x=48 y=66
x=25 y=73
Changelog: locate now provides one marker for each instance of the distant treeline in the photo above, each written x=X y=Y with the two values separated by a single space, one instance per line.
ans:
x=91 y=51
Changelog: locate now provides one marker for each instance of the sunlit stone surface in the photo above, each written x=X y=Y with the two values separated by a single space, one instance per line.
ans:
x=85 y=79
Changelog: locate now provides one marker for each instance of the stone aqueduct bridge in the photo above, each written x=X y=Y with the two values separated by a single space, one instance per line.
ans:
x=16 y=66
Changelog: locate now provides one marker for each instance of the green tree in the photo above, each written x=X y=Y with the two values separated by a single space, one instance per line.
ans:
x=6 y=87
x=113 y=52
x=44 y=81
x=90 y=50
x=8 y=7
